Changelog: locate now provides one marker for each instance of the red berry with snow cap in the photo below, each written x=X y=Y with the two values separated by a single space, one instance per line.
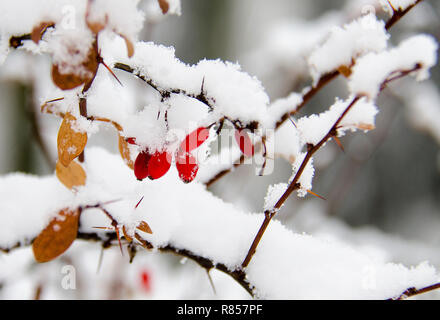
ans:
x=186 y=166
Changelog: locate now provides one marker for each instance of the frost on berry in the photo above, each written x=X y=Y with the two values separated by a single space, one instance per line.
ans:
x=187 y=166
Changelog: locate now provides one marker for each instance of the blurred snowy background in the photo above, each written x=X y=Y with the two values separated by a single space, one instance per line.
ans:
x=383 y=193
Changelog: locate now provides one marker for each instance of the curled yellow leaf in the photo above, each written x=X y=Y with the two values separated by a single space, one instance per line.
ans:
x=71 y=176
x=143 y=226
x=126 y=235
x=124 y=150
x=70 y=142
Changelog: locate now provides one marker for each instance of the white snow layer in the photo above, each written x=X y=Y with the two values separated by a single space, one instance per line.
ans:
x=316 y=126
x=345 y=44
x=373 y=69
x=187 y=216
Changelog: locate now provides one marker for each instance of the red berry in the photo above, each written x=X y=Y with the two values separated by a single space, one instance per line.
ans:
x=186 y=166
x=131 y=140
x=146 y=280
x=195 y=139
x=141 y=165
x=244 y=142
x=159 y=164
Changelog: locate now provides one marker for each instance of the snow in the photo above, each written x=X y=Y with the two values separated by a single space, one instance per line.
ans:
x=305 y=180
x=19 y=17
x=316 y=126
x=344 y=45
x=189 y=217
x=324 y=264
x=232 y=92
x=280 y=107
x=274 y=193
x=373 y=69
x=122 y=17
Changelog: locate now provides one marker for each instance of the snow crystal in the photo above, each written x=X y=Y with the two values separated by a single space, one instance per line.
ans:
x=274 y=193
x=305 y=181
x=373 y=69
x=346 y=44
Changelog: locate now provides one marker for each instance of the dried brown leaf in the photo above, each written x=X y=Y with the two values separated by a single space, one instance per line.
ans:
x=71 y=176
x=164 y=6
x=67 y=81
x=143 y=226
x=366 y=126
x=124 y=150
x=70 y=142
x=38 y=31
x=57 y=237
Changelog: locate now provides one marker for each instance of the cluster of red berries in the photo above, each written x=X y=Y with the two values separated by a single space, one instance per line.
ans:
x=155 y=165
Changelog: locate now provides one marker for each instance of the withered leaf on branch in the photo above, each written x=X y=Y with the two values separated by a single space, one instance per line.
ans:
x=125 y=152
x=127 y=237
x=164 y=6
x=71 y=176
x=143 y=226
x=67 y=81
x=70 y=142
x=38 y=31
x=57 y=237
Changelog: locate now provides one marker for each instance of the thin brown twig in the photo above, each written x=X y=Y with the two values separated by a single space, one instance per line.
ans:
x=312 y=91
x=311 y=150
x=398 y=14
x=294 y=185
x=410 y=292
